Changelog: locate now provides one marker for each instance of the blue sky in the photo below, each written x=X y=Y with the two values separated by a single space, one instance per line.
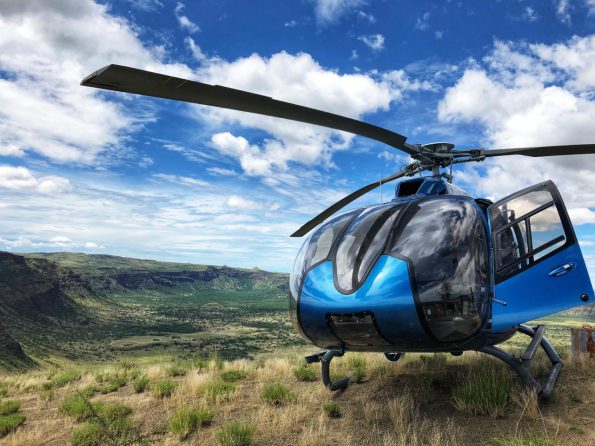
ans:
x=99 y=172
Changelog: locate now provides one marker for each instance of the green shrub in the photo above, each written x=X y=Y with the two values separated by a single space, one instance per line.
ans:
x=141 y=384
x=163 y=388
x=201 y=363
x=3 y=389
x=9 y=423
x=99 y=433
x=303 y=373
x=485 y=390
x=127 y=364
x=356 y=361
x=77 y=406
x=8 y=407
x=277 y=393
x=332 y=409
x=113 y=384
x=358 y=374
x=177 y=370
x=89 y=434
x=235 y=434
x=186 y=420
x=63 y=378
x=233 y=375
x=112 y=412
x=217 y=389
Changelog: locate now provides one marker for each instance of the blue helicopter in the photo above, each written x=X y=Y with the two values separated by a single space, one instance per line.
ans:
x=434 y=269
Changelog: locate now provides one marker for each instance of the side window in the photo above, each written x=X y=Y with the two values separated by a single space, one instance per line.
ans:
x=526 y=229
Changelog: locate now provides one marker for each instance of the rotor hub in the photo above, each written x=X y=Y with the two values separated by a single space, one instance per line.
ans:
x=438 y=147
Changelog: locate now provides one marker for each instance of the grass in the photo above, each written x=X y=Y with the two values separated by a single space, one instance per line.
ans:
x=77 y=406
x=485 y=390
x=218 y=390
x=140 y=384
x=233 y=375
x=235 y=434
x=277 y=394
x=304 y=374
x=10 y=423
x=186 y=420
x=3 y=389
x=163 y=388
x=332 y=409
x=8 y=407
x=62 y=379
x=527 y=440
x=177 y=370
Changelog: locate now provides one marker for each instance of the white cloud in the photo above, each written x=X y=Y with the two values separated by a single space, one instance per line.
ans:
x=354 y=55
x=298 y=79
x=93 y=245
x=438 y=34
x=563 y=11
x=46 y=48
x=367 y=17
x=374 y=41
x=591 y=5
x=21 y=179
x=290 y=24
x=195 y=49
x=529 y=14
x=182 y=180
x=524 y=96
x=11 y=150
x=423 y=23
x=222 y=171
x=331 y=11
x=235 y=201
x=185 y=23
x=581 y=216
x=145 y=5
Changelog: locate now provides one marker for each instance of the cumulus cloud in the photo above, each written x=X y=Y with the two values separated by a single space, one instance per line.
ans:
x=563 y=11
x=530 y=95
x=21 y=179
x=423 y=22
x=331 y=11
x=46 y=48
x=374 y=41
x=299 y=79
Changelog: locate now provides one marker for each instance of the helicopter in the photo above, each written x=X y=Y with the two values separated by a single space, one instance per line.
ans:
x=432 y=270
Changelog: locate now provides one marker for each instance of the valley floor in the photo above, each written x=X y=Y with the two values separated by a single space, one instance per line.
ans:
x=421 y=400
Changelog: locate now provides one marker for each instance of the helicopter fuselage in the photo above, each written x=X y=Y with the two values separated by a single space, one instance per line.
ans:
x=423 y=271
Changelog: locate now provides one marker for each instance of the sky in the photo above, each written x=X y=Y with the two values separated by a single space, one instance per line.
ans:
x=102 y=172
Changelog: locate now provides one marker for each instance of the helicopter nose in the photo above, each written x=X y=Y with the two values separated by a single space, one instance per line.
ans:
x=378 y=315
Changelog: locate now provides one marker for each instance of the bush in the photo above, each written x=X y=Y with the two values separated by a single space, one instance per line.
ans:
x=77 y=406
x=216 y=390
x=235 y=434
x=141 y=384
x=303 y=373
x=332 y=409
x=97 y=433
x=112 y=412
x=277 y=393
x=163 y=388
x=8 y=407
x=9 y=423
x=113 y=384
x=233 y=375
x=485 y=390
x=177 y=370
x=186 y=420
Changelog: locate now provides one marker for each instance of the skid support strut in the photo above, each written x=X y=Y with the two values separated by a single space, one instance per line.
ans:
x=521 y=364
x=325 y=359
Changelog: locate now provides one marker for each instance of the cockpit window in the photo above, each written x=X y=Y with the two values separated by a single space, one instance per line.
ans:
x=362 y=244
x=445 y=241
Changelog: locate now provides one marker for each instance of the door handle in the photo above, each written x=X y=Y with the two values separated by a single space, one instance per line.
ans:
x=562 y=269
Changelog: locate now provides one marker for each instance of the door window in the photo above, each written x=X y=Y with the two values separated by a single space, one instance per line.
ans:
x=526 y=229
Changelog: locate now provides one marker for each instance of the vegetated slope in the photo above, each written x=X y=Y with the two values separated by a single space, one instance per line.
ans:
x=73 y=305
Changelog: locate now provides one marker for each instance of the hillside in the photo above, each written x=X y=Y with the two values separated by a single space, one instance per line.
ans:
x=89 y=307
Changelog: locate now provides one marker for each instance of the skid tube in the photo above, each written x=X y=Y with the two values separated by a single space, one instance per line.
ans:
x=521 y=364
x=325 y=359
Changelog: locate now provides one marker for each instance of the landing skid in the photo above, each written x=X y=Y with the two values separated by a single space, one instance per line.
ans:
x=520 y=365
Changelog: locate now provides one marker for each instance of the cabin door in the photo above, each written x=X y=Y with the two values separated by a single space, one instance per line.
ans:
x=537 y=265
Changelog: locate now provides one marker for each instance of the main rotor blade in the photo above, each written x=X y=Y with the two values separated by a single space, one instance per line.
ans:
x=580 y=149
x=344 y=202
x=133 y=80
